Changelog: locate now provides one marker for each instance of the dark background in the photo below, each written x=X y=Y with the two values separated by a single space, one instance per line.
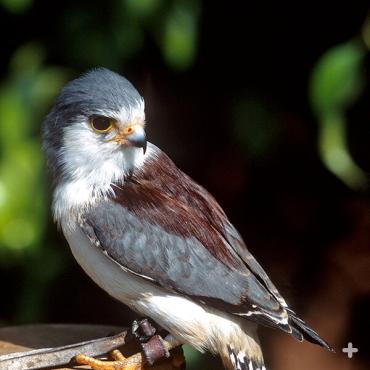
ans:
x=252 y=101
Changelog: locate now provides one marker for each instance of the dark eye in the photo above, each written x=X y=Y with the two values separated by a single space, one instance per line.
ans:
x=101 y=124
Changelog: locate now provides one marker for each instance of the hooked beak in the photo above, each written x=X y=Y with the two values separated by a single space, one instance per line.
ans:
x=133 y=135
x=137 y=138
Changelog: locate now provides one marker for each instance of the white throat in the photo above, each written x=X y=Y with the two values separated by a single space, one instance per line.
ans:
x=90 y=176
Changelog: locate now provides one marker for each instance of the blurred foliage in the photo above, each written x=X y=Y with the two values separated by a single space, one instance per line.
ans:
x=337 y=81
x=120 y=35
x=16 y=6
x=256 y=127
x=23 y=99
x=24 y=96
x=180 y=31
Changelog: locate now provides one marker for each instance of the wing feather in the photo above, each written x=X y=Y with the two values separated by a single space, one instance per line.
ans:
x=164 y=227
x=176 y=263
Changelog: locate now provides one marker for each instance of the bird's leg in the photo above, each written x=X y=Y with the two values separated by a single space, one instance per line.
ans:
x=158 y=348
x=174 y=345
x=143 y=330
x=154 y=349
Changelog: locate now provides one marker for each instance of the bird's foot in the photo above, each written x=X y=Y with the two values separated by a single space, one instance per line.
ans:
x=120 y=362
x=154 y=349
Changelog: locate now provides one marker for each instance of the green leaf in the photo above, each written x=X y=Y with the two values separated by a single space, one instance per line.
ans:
x=142 y=8
x=337 y=78
x=180 y=36
x=335 y=154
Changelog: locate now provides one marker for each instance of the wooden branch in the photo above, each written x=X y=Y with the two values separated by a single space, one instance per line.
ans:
x=51 y=357
x=34 y=347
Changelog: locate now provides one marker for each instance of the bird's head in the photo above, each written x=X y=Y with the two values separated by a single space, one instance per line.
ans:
x=95 y=131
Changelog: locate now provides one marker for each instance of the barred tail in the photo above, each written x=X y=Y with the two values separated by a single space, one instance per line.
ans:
x=240 y=361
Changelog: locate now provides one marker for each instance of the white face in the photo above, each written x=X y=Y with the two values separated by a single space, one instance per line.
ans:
x=93 y=158
x=87 y=151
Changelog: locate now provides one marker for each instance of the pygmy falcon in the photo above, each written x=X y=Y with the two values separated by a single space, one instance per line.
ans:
x=150 y=236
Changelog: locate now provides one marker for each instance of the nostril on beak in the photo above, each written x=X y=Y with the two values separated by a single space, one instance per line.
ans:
x=138 y=138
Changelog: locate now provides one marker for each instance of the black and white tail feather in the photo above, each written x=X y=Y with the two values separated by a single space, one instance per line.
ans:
x=247 y=359
x=240 y=361
x=300 y=330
